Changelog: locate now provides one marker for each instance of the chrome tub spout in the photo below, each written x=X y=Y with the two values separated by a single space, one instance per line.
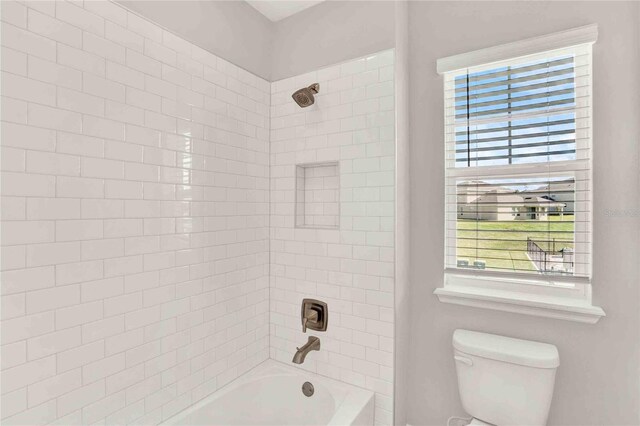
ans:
x=313 y=344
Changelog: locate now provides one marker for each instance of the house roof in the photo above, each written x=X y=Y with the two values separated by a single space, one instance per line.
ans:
x=556 y=186
x=541 y=201
x=484 y=190
x=514 y=200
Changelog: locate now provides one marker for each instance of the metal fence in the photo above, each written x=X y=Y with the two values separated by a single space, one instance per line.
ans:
x=545 y=260
x=537 y=254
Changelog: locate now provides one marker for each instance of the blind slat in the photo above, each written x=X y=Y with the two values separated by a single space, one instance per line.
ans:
x=517 y=156
x=512 y=90
x=519 y=146
x=518 y=80
x=511 y=109
x=581 y=112
x=548 y=94
x=511 y=128
x=524 y=68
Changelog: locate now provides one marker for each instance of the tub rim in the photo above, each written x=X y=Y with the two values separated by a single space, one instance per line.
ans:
x=353 y=402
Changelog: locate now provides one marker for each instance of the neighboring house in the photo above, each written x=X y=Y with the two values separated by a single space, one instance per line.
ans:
x=483 y=201
x=468 y=191
x=562 y=191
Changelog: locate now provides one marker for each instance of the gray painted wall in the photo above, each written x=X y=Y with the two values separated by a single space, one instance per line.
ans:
x=598 y=382
x=329 y=33
x=232 y=30
x=326 y=34
x=402 y=290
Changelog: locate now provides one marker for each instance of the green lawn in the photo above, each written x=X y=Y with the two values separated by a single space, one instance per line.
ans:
x=504 y=243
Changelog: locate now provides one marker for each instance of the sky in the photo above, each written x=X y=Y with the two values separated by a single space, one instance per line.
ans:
x=530 y=90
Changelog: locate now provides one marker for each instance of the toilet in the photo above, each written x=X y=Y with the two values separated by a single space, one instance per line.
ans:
x=504 y=381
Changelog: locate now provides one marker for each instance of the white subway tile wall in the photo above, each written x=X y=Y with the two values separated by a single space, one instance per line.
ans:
x=135 y=217
x=352 y=269
x=318 y=195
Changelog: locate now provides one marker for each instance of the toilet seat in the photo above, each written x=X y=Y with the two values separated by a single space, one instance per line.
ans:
x=476 y=422
x=466 y=421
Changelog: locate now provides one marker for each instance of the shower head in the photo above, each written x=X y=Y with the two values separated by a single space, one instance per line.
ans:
x=304 y=97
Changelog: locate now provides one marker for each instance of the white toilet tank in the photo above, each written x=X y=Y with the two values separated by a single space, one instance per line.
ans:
x=505 y=381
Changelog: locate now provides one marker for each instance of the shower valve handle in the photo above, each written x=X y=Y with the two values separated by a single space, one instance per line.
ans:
x=310 y=316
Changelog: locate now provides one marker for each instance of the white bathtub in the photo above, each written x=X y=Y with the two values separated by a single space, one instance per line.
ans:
x=271 y=394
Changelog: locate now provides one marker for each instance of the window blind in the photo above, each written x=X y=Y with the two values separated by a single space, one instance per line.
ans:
x=518 y=165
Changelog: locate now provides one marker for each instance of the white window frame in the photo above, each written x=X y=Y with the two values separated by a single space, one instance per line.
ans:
x=566 y=298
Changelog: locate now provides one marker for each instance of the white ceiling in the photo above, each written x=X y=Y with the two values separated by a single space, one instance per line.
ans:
x=276 y=10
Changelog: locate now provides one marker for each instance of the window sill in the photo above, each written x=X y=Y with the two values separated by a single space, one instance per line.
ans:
x=537 y=300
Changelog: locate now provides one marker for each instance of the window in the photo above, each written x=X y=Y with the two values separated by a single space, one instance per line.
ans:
x=518 y=170
x=518 y=165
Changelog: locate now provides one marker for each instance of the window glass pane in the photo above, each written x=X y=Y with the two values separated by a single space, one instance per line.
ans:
x=516 y=224
x=516 y=115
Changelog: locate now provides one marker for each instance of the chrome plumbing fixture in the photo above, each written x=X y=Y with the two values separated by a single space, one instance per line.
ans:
x=313 y=344
x=307 y=389
x=314 y=315
x=304 y=96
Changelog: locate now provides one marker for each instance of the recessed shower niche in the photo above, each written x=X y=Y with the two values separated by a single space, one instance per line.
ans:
x=318 y=195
